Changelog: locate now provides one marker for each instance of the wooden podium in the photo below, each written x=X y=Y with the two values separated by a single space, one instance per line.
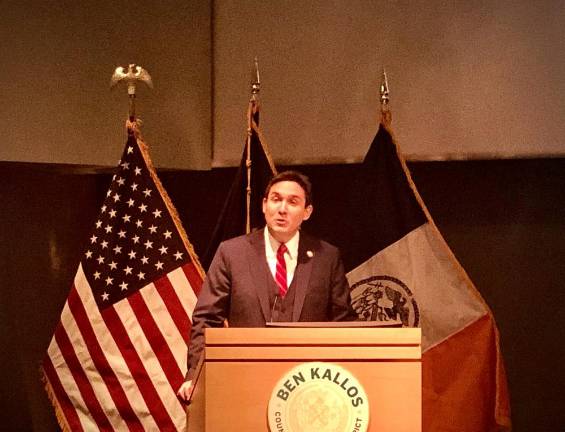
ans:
x=242 y=367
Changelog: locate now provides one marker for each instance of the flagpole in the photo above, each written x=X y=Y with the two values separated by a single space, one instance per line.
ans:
x=255 y=88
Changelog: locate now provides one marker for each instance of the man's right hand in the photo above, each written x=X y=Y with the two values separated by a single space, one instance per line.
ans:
x=185 y=390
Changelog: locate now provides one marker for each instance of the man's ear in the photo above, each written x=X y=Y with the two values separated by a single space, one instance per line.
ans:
x=264 y=205
x=308 y=212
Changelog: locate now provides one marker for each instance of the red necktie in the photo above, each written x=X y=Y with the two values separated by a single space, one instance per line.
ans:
x=280 y=276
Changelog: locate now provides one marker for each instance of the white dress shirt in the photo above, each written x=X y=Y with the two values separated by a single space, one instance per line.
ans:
x=290 y=256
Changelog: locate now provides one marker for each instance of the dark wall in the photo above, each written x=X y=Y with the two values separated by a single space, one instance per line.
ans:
x=505 y=221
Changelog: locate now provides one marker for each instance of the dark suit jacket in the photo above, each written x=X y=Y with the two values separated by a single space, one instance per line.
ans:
x=237 y=288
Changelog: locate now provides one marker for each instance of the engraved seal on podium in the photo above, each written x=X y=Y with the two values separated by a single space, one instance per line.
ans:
x=318 y=397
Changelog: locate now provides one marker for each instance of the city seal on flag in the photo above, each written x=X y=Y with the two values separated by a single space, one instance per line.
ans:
x=318 y=396
x=385 y=298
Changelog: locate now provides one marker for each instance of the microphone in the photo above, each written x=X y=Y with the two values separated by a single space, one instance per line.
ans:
x=274 y=306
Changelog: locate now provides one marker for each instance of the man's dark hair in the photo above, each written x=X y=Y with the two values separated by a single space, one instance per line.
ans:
x=293 y=176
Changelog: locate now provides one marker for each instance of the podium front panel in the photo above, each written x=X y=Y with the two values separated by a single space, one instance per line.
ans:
x=241 y=394
x=243 y=367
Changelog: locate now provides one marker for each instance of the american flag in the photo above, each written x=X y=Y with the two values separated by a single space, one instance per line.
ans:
x=119 y=352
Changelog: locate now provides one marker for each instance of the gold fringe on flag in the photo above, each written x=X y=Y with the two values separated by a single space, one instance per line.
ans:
x=61 y=419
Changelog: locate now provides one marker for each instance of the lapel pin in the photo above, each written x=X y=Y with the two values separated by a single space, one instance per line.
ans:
x=310 y=254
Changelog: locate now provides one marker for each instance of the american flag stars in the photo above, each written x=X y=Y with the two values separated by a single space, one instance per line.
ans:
x=132 y=236
x=108 y=326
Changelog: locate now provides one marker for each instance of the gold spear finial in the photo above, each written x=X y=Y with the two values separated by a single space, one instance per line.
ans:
x=386 y=117
x=384 y=91
x=256 y=83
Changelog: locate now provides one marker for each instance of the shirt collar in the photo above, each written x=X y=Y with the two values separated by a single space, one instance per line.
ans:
x=291 y=245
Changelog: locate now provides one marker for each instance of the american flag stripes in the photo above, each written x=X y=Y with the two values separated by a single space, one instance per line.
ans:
x=119 y=352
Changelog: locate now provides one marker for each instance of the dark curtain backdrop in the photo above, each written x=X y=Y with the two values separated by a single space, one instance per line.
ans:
x=505 y=221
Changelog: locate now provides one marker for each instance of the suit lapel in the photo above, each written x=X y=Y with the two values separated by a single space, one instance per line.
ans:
x=260 y=270
x=302 y=273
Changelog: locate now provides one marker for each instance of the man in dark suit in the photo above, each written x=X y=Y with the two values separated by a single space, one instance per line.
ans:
x=275 y=274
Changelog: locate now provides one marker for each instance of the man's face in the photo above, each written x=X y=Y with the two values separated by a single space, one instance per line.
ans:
x=285 y=209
